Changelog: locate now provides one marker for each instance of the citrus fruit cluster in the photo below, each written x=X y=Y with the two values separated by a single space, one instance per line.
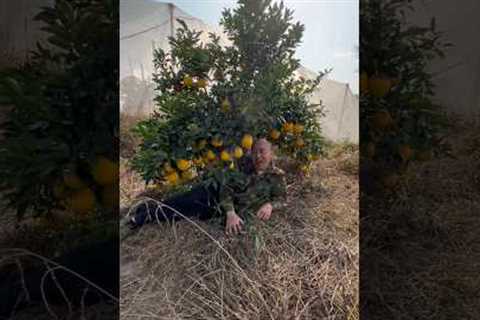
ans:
x=192 y=82
x=399 y=122
x=289 y=137
x=81 y=192
x=208 y=153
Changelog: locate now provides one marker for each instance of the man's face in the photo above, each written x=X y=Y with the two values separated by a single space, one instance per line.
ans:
x=262 y=155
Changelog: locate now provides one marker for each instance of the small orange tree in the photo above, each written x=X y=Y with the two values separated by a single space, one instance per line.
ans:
x=214 y=102
x=399 y=122
x=60 y=150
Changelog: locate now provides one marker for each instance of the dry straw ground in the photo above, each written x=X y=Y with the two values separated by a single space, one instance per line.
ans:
x=303 y=263
x=425 y=240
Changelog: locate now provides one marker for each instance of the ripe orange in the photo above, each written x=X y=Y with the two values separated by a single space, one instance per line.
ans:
x=172 y=178
x=216 y=142
x=274 y=134
x=183 y=164
x=382 y=120
x=225 y=156
x=247 y=141
x=73 y=181
x=105 y=171
x=210 y=155
x=299 y=142
x=298 y=128
x=238 y=152
x=379 y=86
x=405 y=151
x=187 y=81
x=288 y=127
x=82 y=201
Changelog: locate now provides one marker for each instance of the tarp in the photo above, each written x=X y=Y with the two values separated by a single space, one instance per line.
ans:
x=146 y=24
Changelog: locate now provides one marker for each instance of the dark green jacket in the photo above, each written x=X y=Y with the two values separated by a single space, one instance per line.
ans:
x=246 y=191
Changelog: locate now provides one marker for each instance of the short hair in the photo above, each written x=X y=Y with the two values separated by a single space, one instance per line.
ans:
x=262 y=141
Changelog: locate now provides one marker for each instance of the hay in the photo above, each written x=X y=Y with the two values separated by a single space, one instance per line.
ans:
x=302 y=264
x=419 y=250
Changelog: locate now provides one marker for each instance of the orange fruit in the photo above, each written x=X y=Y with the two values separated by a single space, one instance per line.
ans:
x=299 y=142
x=298 y=128
x=216 y=142
x=382 y=120
x=183 y=164
x=172 y=178
x=82 y=201
x=210 y=155
x=405 y=151
x=225 y=156
x=105 y=171
x=274 y=134
x=379 y=86
x=247 y=141
x=288 y=127
x=72 y=180
x=187 y=81
x=238 y=152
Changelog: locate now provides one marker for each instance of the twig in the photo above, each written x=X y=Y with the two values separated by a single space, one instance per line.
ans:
x=22 y=277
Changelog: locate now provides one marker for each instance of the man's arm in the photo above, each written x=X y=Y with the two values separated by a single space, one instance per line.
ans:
x=233 y=223
x=277 y=195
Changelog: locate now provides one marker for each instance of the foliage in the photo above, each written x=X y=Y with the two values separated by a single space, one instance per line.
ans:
x=65 y=102
x=399 y=121
x=211 y=99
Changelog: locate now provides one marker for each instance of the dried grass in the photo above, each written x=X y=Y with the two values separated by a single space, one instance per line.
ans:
x=303 y=264
x=420 y=252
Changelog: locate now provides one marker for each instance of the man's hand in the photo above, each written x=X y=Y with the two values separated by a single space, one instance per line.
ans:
x=234 y=223
x=265 y=211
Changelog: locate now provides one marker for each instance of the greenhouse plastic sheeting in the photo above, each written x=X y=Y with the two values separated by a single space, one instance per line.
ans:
x=145 y=25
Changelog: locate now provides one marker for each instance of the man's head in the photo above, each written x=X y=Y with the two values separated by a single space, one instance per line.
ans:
x=262 y=154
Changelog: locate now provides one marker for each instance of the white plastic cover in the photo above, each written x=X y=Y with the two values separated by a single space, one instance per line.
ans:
x=145 y=24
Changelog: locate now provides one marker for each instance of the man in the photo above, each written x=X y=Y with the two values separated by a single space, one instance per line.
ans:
x=255 y=189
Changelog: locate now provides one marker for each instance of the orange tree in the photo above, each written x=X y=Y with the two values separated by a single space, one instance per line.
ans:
x=59 y=150
x=213 y=102
x=399 y=122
